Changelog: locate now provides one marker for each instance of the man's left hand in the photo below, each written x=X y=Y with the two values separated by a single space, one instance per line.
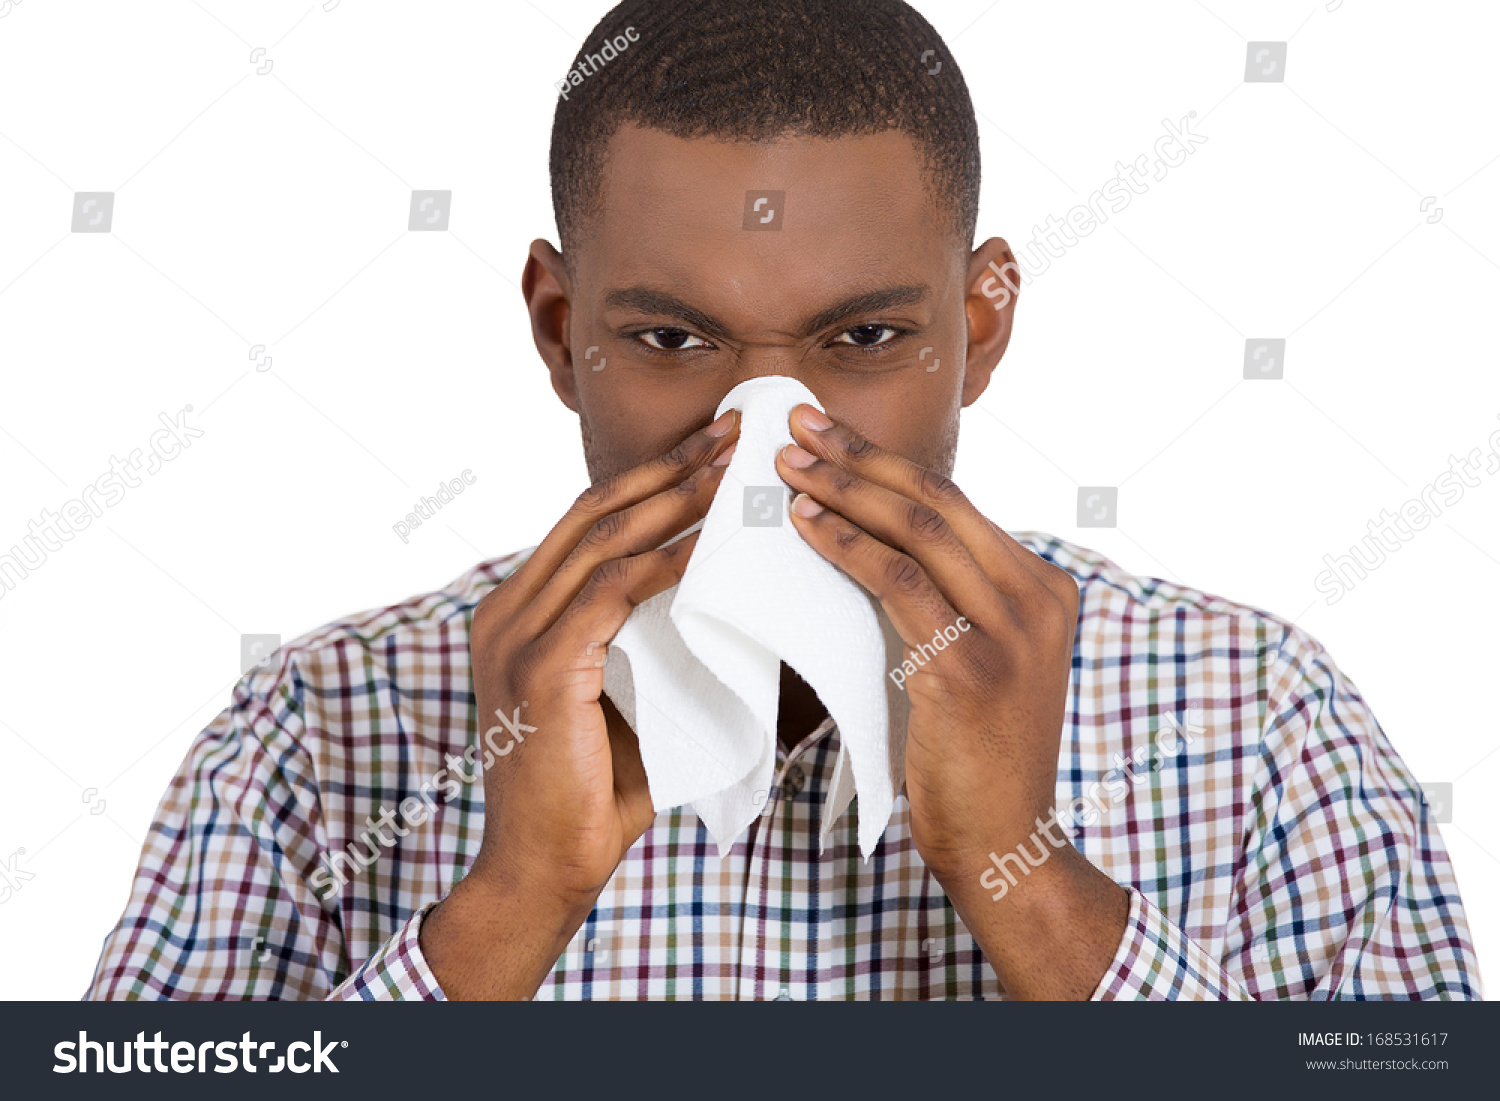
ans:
x=987 y=707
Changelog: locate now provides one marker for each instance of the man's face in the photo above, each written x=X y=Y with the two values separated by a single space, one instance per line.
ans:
x=860 y=294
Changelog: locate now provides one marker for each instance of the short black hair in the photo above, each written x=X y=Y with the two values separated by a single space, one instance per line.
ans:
x=757 y=70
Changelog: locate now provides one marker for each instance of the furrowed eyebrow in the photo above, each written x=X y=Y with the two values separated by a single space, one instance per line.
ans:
x=877 y=301
x=646 y=300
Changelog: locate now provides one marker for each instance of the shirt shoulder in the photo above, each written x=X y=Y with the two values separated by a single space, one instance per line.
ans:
x=1169 y=615
x=324 y=654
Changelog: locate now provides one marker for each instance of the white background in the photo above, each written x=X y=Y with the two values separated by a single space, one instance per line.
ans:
x=272 y=210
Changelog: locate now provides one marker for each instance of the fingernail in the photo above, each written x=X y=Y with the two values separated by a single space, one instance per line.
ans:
x=805 y=507
x=723 y=460
x=796 y=458
x=814 y=420
x=721 y=426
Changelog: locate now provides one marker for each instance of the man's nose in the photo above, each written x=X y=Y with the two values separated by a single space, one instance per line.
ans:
x=768 y=362
x=771 y=358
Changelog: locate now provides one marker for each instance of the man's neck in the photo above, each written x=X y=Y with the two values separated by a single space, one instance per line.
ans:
x=800 y=712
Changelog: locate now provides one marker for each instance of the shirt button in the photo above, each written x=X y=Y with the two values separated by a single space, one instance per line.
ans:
x=792 y=782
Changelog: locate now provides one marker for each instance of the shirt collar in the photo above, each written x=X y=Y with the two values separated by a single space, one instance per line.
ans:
x=819 y=733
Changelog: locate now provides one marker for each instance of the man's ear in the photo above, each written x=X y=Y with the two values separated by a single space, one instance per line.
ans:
x=548 y=294
x=989 y=308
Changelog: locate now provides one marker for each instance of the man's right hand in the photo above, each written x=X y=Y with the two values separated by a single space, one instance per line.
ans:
x=563 y=806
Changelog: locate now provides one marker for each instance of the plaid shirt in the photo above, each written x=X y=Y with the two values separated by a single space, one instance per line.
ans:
x=1283 y=852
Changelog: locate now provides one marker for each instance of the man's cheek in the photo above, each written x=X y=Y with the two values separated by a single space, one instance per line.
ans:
x=643 y=442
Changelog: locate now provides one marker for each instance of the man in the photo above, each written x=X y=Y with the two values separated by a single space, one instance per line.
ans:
x=1115 y=786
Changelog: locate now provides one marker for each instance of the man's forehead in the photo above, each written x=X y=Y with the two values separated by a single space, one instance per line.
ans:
x=675 y=211
x=655 y=179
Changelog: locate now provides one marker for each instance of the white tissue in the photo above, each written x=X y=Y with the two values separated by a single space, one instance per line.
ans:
x=696 y=669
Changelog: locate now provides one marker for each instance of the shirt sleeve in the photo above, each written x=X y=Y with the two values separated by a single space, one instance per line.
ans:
x=221 y=906
x=398 y=972
x=1343 y=891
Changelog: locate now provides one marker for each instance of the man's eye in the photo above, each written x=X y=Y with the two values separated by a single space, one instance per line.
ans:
x=867 y=336
x=672 y=340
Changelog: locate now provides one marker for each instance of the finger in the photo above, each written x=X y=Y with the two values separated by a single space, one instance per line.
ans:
x=571 y=653
x=625 y=748
x=841 y=445
x=1000 y=556
x=619 y=493
x=632 y=790
x=913 y=603
x=636 y=530
x=919 y=530
x=1059 y=581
